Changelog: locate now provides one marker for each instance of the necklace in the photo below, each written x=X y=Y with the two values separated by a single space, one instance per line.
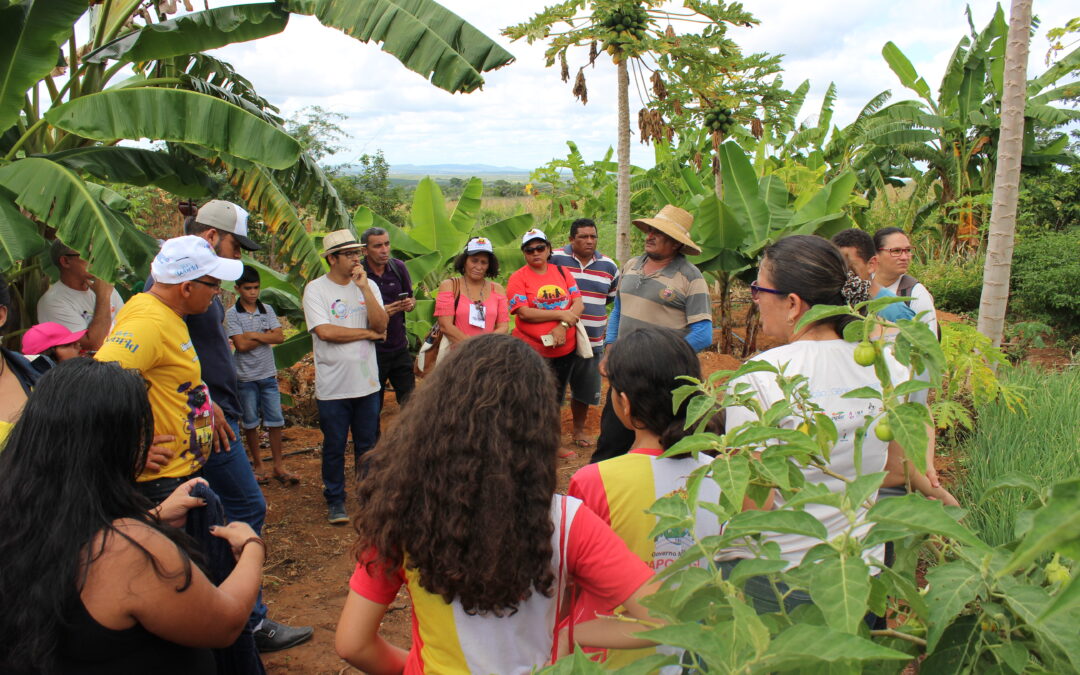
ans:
x=468 y=292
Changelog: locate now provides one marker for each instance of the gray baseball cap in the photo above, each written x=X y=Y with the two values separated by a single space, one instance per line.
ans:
x=227 y=217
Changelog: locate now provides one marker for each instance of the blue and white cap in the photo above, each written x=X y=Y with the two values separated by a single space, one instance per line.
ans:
x=479 y=245
x=188 y=258
x=533 y=234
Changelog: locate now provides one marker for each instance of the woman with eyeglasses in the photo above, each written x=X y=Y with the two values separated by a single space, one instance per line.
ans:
x=546 y=302
x=468 y=520
x=472 y=304
x=894 y=258
x=797 y=273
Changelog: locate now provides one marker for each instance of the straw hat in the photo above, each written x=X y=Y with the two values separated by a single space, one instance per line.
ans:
x=675 y=223
x=339 y=241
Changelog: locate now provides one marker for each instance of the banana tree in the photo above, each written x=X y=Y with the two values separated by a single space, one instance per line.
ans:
x=956 y=133
x=143 y=75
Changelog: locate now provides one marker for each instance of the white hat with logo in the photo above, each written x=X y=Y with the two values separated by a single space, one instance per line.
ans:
x=188 y=258
x=533 y=234
x=479 y=245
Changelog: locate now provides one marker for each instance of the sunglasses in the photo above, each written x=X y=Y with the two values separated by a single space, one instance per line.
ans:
x=216 y=287
x=535 y=249
x=897 y=252
x=755 y=289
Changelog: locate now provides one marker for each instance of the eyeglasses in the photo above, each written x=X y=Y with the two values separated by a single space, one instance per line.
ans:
x=350 y=254
x=755 y=289
x=535 y=249
x=898 y=251
x=216 y=287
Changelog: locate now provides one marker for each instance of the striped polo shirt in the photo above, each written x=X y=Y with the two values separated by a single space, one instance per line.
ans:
x=673 y=297
x=598 y=282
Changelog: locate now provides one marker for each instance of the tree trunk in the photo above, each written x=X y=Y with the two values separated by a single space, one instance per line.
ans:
x=622 y=210
x=999 y=249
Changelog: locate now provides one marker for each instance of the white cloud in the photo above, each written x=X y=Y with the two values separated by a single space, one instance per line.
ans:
x=525 y=113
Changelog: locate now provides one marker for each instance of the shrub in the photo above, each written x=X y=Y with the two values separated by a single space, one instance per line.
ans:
x=955 y=283
x=1040 y=445
x=1046 y=279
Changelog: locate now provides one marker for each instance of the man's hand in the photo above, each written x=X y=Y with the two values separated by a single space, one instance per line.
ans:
x=101 y=287
x=173 y=511
x=359 y=276
x=158 y=456
x=223 y=433
x=602 y=366
x=409 y=304
x=394 y=307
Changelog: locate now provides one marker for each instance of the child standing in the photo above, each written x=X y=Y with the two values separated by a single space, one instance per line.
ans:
x=253 y=327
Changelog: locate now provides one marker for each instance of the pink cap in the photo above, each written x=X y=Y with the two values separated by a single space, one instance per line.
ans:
x=49 y=334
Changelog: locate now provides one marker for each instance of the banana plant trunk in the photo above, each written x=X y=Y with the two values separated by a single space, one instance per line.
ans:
x=622 y=207
x=999 y=250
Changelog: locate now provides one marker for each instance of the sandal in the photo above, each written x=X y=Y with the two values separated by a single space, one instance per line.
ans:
x=262 y=479
x=566 y=454
x=287 y=478
x=582 y=442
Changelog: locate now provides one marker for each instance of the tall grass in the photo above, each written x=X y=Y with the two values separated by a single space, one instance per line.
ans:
x=1044 y=445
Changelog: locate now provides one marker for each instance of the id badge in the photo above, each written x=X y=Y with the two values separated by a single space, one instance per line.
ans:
x=477 y=316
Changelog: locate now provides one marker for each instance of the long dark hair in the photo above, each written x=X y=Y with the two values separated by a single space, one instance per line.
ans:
x=644 y=365
x=68 y=472
x=811 y=268
x=460 y=490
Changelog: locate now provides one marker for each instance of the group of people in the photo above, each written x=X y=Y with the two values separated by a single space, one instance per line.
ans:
x=131 y=522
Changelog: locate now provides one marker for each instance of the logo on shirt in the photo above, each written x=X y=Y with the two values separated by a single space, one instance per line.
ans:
x=667 y=294
x=551 y=297
x=339 y=309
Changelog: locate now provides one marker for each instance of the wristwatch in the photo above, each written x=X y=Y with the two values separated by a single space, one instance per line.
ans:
x=564 y=324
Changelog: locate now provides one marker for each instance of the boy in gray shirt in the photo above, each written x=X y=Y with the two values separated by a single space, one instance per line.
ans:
x=253 y=327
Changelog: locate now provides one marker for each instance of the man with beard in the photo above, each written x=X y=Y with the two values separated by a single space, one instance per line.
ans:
x=659 y=288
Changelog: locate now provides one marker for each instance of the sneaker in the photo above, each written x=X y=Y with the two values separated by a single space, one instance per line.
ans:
x=336 y=514
x=273 y=636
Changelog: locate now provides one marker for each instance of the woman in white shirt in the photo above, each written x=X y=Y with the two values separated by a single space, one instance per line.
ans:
x=797 y=273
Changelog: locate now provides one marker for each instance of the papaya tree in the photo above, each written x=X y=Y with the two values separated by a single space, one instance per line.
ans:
x=634 y=33
x=65 y=109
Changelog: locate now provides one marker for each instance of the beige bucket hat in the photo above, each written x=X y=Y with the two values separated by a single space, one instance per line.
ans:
x=675 y=223
x=339 y=241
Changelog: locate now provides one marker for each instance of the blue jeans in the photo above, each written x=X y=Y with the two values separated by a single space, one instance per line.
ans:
x=336 y=418
x=230 y=476
x=261 y=400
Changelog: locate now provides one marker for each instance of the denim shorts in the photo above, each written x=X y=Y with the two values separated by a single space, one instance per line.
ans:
x=261 y=399
x=585 y=378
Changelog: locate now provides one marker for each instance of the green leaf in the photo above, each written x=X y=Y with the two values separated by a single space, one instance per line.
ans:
x=1067 y=600
x=860 y=489
x=864 y=392
x=785 y=522
x=715 y=227
x=425 y=36
x=422 y=265
x=909 y=422
x=179 y=116
x=58 y=197
x=900 y=65
x=731 y=473
x=1032 y=605
x=30 y=37
x=292 y=350
x=952 y=586
x=741 y=192
x=1012 y=480
x=922 y=515
x=1055 y=524
x=906 y=591
x=753 y=567
x=194 y=32
x=136 y=166
x=957 y=649
x=910 y=387
x=840 y=587
x=19 y=237
x=804 y=644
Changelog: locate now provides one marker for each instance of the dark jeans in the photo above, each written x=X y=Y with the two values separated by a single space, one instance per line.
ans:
x=231 y=477
x=615 y=439
x=158 y=489
x=561 y=366
x=336 y=418
x=397 y=367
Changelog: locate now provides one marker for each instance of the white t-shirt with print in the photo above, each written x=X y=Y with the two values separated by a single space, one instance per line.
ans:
x=73 y=309
x=921 y=301
x=342 y=369
x=831 y=370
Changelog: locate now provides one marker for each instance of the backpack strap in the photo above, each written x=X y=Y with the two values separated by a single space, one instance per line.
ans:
x=903 y=289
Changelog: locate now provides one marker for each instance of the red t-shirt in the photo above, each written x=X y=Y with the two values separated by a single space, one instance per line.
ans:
x=554 y=289
x=447 y=639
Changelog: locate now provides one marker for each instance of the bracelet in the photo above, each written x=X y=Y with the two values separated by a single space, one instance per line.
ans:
x=257 y=540
x=564 y=324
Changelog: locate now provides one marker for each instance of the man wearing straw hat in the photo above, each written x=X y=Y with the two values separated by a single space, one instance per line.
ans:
x=344 y=313
x=659 y=288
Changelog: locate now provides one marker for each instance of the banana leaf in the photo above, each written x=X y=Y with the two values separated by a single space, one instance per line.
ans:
x=178 y=116
x=468 y=206
x=194 y=32
x=508 y=231
x=136 y=166
x=19 y=237
x=30 y=37
x=292 y=350
x=741 y=191
x=425 y=36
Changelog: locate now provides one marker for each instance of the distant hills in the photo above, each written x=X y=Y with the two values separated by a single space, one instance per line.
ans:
x=460 y=170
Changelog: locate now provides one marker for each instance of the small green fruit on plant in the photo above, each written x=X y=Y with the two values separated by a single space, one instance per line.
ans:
x=883 y=431
x=865 y=353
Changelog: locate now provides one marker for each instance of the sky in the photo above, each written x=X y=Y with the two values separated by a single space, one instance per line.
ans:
x=524 y=114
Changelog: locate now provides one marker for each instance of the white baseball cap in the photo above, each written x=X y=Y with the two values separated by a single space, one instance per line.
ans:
x=227 y=217
x=479 y=245
x=533 y=234
x=190 y=257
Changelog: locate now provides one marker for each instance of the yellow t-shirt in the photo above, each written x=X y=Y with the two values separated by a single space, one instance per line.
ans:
x=5 y=431
x=153 y=339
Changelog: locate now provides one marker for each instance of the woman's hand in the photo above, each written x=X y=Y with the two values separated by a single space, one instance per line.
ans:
x=173 y=511
x=558 y=333
x=942 y=495
x=236 y=533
